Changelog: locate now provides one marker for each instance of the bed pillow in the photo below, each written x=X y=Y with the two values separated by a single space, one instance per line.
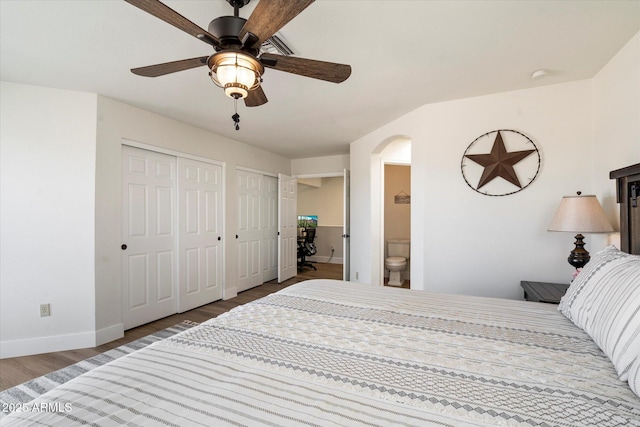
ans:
x=605 y=302
x=598 y=261
x=634 y=377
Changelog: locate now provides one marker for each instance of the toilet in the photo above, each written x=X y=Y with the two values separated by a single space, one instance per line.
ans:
x=396 y=261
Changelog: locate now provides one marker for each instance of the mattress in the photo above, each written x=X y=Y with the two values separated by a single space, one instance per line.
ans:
x=325 y=352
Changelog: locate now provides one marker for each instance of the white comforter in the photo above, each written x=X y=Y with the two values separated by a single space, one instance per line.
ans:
x=328 y=352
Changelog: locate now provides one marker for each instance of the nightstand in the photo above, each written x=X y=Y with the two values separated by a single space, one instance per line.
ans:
x=543 y=291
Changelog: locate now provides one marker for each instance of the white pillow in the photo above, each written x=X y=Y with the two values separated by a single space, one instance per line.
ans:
x=599 y=260
x=634 y=376
x=604 y=301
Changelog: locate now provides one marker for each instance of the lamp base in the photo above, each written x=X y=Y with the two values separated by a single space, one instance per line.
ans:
x=579 y=256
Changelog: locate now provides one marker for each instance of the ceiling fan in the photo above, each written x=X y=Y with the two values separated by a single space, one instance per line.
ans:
x=237 y=64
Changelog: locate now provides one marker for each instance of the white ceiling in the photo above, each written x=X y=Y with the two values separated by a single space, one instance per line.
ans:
x=404 y=54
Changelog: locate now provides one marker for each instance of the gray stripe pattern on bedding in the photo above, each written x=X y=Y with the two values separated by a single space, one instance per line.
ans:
x=23 y=393
x=340 y=353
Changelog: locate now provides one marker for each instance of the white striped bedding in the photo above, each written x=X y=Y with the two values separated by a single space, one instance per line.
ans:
x=604 y=301
x=326 y=352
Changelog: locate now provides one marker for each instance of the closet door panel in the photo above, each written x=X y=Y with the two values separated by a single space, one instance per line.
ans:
x=249 y=229
x=287 y=227
x=200 y=225
x=149 y=275
x=269 y=248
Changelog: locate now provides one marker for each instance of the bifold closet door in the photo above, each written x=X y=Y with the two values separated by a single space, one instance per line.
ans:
x=249 y=235
x=149 y=240
x=200 y=233
x=269 y=227
x=287 y=227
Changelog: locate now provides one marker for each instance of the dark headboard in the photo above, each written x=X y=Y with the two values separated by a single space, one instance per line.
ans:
x=628 y=195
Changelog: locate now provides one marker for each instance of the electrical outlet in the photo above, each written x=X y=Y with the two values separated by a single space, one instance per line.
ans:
x=332 y=249
x=45 y=310
x=356 y=275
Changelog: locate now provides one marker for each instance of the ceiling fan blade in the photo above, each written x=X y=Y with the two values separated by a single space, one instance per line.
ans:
x=269 y=16
x=170 y=67
x=328 y=71
x=164 y=12
x=256 y=98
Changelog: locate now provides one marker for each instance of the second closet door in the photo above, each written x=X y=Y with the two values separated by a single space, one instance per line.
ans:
x=269 y=227
x=249 y=229
x=200 y=260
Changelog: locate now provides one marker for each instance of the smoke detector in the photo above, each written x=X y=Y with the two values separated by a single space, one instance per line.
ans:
x=538 y=74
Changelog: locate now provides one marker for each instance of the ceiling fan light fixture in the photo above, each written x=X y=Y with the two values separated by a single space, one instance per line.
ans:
x=236 y=72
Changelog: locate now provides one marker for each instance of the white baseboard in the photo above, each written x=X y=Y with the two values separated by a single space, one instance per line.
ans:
x=109 y=334
x=38 y=345
x=325 y=259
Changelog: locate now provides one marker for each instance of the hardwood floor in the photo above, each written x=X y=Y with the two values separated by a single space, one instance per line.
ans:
x=16 y=370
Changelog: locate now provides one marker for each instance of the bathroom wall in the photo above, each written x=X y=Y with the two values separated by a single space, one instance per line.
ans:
x=397 y=216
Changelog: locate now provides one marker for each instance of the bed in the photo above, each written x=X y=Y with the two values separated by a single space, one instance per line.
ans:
x=326 y=352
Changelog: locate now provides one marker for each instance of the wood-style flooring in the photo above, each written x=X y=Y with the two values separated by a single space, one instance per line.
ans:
x=16 y=370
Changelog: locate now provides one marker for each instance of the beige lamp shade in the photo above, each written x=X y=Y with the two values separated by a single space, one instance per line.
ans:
x=580 y=214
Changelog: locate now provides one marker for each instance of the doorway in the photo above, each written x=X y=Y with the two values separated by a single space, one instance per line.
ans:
x=326 y=199
x=397 y=217
x=395 y=201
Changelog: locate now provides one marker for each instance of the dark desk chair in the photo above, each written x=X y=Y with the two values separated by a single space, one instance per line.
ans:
x=306 y=247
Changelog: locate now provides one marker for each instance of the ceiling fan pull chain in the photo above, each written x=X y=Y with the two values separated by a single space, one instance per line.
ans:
x=236 y=116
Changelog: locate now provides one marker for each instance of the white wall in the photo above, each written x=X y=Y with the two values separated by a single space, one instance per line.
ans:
x=48 y=150
x=320 y=166
x=616 y=124
x=462 y=241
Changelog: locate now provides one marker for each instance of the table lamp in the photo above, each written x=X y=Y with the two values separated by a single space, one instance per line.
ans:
x=580 y=214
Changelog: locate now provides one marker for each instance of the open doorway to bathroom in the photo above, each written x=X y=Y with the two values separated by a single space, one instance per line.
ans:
x=397 y=224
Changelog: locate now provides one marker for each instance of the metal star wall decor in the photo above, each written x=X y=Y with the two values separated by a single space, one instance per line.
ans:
x=499 y=163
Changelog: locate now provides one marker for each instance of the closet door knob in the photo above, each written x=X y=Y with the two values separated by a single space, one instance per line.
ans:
x=219 y=238
x=123 y=247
